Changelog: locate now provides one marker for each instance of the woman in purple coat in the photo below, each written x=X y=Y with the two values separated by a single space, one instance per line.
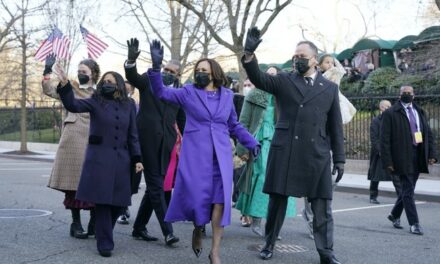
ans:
x=203 y=186
x=113 y=147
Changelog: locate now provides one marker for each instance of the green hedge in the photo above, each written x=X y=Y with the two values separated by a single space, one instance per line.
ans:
x=379 y=81
x=37 y=118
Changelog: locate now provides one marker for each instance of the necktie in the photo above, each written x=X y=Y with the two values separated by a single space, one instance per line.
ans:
x=309 y=81
x=412 y=123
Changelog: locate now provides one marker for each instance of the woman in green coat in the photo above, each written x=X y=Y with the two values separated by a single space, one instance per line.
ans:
x=259 y=117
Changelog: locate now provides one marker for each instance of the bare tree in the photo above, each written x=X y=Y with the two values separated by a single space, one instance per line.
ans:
x=240 y=16
x=10 y=18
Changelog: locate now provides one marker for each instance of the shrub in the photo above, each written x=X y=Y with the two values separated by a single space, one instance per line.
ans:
x=379 y=80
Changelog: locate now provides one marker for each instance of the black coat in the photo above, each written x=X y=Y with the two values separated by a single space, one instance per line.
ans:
x=309 y=119
x=155 y=123
x=376 y=172
x=396 y=141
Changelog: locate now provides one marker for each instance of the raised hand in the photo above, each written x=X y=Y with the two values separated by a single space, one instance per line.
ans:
x=61 y=74
x=339 y=167
x=253 y=39
x=133 y=50
x=49 y=62
x=156 y=50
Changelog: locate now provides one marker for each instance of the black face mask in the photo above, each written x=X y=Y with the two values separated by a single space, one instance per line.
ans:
x=168 y=78
x=406 y=98
x=202 y=79
x=301 y=65
x=108 y=89
x=83 y=79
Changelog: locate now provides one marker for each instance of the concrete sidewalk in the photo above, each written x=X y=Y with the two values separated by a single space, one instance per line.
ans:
x=426 y=189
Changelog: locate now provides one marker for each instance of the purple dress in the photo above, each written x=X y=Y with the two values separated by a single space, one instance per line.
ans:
x=204 y=173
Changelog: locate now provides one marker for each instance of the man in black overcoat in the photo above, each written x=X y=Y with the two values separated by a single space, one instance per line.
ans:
x=407 y=148
x=309 y=127
x=157 y=136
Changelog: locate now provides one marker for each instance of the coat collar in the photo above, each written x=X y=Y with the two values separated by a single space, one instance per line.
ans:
x=308 y=92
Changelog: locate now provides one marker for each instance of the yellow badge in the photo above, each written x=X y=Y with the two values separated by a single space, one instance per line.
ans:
x=418 y=137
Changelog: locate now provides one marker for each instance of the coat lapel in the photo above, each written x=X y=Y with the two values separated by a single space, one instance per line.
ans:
x=202 y=96
x=317 y=88
x=299 y=83
x=223 y=97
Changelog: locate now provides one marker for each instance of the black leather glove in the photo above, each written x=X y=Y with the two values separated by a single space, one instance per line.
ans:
x=50 y=61
x=133 y=50
x=252 y=40
x=156 y=51
x=340 y=168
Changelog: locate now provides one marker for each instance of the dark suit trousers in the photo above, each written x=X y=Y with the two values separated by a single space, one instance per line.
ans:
x=405 y=199
x=374 y=189
x=322 y=222
x=154 y=199
x=105 y=217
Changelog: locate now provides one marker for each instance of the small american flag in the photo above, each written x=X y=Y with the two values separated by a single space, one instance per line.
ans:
x=56 y=43
x=95 y=46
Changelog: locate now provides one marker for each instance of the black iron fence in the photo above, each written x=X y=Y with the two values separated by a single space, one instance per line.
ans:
x=357 y=132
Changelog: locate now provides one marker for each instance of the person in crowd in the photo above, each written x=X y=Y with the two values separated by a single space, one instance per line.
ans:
x=203 y=188
x=407 y=148
x=375 y=172
x=69 y=158
x=347 y=66
x=113 y=147
x=355 y=75
x=259 y=118
x=247 y=87
x=157 y=137
x=309 y=127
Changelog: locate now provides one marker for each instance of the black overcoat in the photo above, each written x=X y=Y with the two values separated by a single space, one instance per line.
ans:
x=155 y=122
x=375 y=171
x=396 y=141
x=309 y=119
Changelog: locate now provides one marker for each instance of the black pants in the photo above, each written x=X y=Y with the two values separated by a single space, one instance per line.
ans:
x=154 y=199
x=322 y=222
x=105 y=219
x=374 y=189
x=405 y=199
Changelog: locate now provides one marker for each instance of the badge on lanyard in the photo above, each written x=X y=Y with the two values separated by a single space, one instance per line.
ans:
x=418 y=137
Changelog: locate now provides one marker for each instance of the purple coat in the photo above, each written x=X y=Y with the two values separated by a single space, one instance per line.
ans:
x=113 y=148
x=205 y=132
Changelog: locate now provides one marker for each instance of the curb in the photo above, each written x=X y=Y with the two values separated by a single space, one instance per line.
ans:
x=18 y=157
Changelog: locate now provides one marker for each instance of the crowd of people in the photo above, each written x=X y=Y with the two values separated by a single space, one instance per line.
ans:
x=204 y=149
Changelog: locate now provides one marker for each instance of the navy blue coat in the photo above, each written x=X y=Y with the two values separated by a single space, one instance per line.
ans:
x=113 y=147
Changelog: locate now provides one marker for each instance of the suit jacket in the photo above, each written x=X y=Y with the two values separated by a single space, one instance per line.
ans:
x=155 y=122
x=397 y=143
x=309 y=119
x=113 y=147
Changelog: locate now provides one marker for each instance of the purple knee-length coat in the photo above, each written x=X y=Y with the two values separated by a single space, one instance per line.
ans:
x=112 y=149
x=205 y=134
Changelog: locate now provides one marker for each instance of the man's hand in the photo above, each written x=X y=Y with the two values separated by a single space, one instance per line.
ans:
x=139 y=167
x=252 y=41
x=49 y=62
x=133 y=50
x=432 y=161
x=156 y=50
x=390 y=169
x=340 y=168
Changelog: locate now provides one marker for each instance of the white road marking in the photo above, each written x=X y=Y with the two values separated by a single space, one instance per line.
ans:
x=41 y=213
x=367 y=207
x=24 y=169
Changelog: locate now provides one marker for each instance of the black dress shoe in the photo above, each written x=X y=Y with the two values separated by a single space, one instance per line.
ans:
x=374 y=201
x=331 y=260
x=143 y=235
x=267 y=252
x=170 y=239
x=105 y=253
x=416 y=229
x=395 y=221
x=77 y=231
x=196 y=242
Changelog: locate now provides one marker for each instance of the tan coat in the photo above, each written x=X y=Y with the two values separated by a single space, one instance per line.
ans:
x=70 y=155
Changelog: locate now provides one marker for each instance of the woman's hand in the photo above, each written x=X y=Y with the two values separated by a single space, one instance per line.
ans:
x=139 y=167
x=61 y=74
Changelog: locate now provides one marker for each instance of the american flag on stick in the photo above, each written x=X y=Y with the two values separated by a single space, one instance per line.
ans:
x=95 y=46
x=56 y=43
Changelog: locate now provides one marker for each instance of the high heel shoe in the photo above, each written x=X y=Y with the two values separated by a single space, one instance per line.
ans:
x=197 y=239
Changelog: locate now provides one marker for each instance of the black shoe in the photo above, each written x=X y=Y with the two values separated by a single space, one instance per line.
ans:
x=77 y=231
x=374 y=201
x=123 y=220
x=267 y=252
x=197 y=241
x=143 y=235
x=170 y=239
x=332 y=260
x=416 y=229
x=105 y=253
x=395 y=221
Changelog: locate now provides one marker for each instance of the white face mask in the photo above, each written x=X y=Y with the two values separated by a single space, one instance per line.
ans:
x=246 y=90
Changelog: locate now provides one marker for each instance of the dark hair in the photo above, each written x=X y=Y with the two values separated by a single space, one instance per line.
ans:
x=218 y=76
x=322 y=58
x=94 y=67
x=311 y=45
x=278 y=69
x=120 y=87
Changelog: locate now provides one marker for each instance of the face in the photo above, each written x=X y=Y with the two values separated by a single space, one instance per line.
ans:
x=304 y=51
x=172 y=68
x=327 y=63
x=248 y=84
x=204 y=66
x=384 y=106
x=407 y=90
x=83 y=69
x=272 y=71
x=108 y=78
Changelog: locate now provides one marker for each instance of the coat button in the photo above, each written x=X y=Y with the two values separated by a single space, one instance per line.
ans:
x=116 y=109
x=117 y=117
x=114 y=148
x=116 y=137
x=296 y=137
x=301 y=105
x=117 y=127
x=313 y=140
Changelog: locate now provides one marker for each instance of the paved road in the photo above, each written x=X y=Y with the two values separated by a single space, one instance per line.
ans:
x=362 y=233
